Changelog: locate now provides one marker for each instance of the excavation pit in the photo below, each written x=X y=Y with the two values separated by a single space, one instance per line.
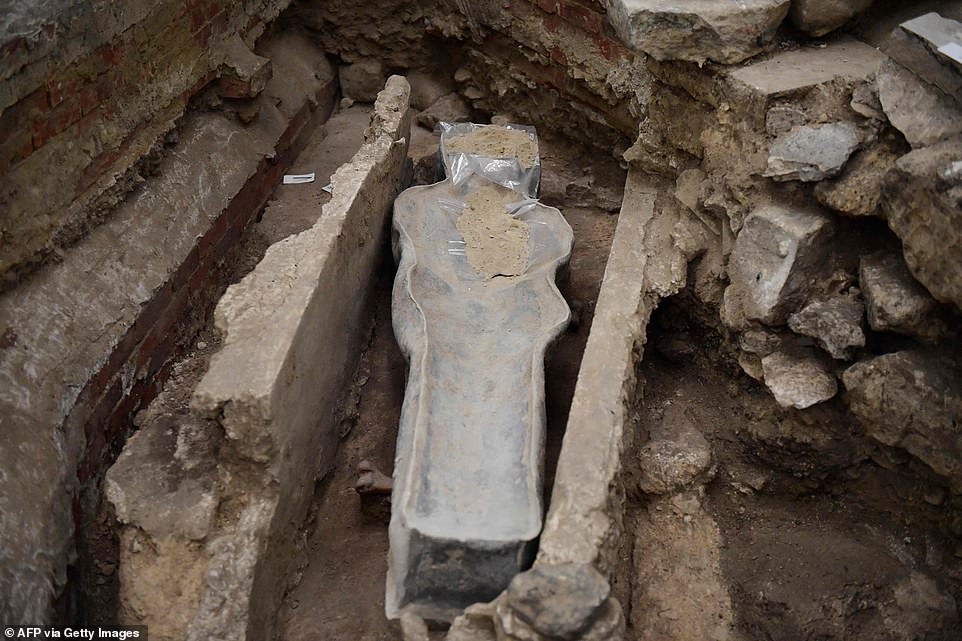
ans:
x=751 y=425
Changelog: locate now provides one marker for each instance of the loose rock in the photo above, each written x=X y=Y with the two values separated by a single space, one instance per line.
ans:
x=778 y=260
x=921 y=202
x=672 y=464
x=362 y=80
x=858 y=191
x=558 y=601
x=798 y=380
x=911 y=400
x=896 y=302
x=697 y=30
x=811 y=153
x=426 y=89
x=449 y=108
x=818 y=17
x=921 y=112
x=413 y=628
x=915 y=45
x=835 y=323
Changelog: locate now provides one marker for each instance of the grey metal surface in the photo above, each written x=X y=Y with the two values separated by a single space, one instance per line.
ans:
x=467 y=503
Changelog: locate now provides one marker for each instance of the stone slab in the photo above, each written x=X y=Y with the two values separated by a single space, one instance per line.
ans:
x=812 y=152
x=466 y=506
x=923 y=45
x=778 y=260
x=790 y=71
x=644 y=265
x=697 y=30
x=292 y=330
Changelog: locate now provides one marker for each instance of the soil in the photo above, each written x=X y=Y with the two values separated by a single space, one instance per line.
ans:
x=794 y=533
x=495 y=142
x=496 y=243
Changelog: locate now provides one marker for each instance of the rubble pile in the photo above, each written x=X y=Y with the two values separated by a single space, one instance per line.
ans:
x=830 y=176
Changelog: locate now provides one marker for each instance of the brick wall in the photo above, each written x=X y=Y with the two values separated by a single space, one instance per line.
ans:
x=85 y=94
x=89 y=339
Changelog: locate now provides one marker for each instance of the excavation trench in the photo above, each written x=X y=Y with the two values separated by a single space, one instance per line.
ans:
x=709 y=510
x=746 y=522
x=340 y=593
x=712 y=500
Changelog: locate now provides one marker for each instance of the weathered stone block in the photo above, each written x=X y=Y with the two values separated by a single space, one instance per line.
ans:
x=858 y=191
x=778 y=260
x=275 y=400
x=915 y=45
x=818 y=17
x=911 y=400
x=790 y=71
x=920 y=111
x=798 y=380
x=811 y=153
x=697 y=30
x=836 y=323
x=183 y=451
x=921 y=203
x=896 y=302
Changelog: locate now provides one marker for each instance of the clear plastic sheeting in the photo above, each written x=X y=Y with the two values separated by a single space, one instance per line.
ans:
x=494 y=152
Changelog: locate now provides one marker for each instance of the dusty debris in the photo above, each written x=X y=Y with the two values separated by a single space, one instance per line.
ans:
x=836 y=323
x=496 y=142
x=496 y=243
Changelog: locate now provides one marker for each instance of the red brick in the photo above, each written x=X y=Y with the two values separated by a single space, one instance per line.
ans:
x=550 y=6
x=200 y=279
x=553 y=23
x=581 y=16
x=162 y=355
x=18 y=117
x=65 y=114
x=63 y=87
x=186 y=268
x=113 y=54
x=13 y=46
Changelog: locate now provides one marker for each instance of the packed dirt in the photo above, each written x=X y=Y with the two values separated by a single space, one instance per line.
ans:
x=496 y=243
x=495 y=142
x=784 y=530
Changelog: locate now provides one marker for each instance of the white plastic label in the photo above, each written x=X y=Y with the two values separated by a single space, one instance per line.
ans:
x=297 y=179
